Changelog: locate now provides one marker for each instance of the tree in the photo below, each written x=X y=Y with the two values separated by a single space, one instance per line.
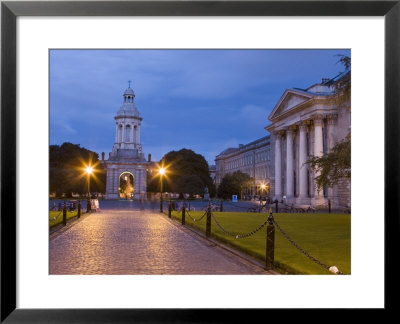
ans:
x=66 y=163
x=187 y=172
x=234 y=184
x=343 y=85
x=332 y=166
x=336 y=165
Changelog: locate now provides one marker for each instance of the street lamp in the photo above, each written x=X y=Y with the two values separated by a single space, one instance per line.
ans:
x=161 y=172
x=89 y=171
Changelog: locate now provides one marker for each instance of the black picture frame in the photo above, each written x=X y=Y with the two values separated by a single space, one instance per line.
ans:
x=10 y=10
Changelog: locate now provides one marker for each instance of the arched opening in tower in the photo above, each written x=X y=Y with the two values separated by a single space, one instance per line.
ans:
x=126 y=185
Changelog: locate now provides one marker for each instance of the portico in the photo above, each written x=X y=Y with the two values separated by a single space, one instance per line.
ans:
x=305 y=123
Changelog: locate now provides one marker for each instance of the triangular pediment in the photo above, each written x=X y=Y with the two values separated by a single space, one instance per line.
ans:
x=289 y=100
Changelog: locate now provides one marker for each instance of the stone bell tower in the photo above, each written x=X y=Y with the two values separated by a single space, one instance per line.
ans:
x=126 y=158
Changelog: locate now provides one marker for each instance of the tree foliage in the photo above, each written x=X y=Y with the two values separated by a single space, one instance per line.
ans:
x=187 y=172
x=343 y=85
x=332 y=166
x=67 y=164
x=234 y=184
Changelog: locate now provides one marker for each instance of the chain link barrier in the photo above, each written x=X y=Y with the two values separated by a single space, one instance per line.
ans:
x=196 y=219
x=271 y=221
x=302 y=250
x=55 y=218
x=237 y=236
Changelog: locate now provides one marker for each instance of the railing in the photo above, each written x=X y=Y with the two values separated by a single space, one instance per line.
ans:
x=270 y=225
x=70 y=206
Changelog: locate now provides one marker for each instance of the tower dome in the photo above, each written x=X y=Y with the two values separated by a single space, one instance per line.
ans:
x=128 y=108
x=129 y=92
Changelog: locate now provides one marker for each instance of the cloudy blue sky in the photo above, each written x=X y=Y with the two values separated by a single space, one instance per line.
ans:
x=205 y=100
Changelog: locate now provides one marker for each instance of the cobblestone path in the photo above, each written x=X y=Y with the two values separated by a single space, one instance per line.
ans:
x=138 y=242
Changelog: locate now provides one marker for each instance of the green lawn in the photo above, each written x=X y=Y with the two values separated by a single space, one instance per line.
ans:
x=59 y=217
x=326 y=237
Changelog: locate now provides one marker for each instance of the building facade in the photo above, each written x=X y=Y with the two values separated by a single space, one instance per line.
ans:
x=126 y=166
x=253 y=158
x=303 y=123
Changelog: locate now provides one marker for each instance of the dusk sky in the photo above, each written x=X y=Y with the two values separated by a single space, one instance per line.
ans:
x=204 y=100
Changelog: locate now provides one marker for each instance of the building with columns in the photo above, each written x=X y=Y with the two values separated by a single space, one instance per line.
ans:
x=304 y=122
x=126 y=163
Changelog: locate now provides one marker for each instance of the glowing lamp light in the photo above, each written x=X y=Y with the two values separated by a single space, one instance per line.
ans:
x=161 y=171
x=263 y=186
x=89 y=170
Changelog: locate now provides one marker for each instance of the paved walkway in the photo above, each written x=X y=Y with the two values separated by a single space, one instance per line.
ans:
x=138 y=242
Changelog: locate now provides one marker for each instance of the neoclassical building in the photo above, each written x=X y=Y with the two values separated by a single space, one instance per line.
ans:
x=253 y=158
x=304 y=122
x=126 y=166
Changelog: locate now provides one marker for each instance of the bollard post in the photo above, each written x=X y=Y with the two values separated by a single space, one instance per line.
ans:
x=169 y=209
x=221 y=208
x=208 y=221
x=65 y=213
x=189 y=207
x=183 y=213
x=329 y=206
x=276 y=206
x=270 y=246
x=161 y=203
x=79 y=209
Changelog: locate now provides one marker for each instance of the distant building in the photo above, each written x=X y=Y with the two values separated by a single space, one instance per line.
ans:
x=253 y=159
x=304 y=122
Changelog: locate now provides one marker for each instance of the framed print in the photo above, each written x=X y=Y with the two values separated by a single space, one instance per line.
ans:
x=57 y=79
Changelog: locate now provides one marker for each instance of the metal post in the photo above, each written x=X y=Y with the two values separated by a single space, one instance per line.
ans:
x=183 y=213
x=88 y=205
x=169 y=209
x=221 y=208
x=329 y=206
x=276 y=206
x=65 y=213
x=161 y=198
x=79 y=209
x=208 y=222
x=270 y=246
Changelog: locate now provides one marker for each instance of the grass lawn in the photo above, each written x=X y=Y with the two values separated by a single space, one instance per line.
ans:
x=326 y=237
x=59 y=217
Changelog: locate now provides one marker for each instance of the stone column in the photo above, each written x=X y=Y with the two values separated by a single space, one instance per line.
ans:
x=331 y=138
x=289 y=164
x=278 y=167
x=131 y=134
x=318 y=151
x=138 y=134
x=123 y=133
x=302 y=167
x=116 y=132
x=134 y=135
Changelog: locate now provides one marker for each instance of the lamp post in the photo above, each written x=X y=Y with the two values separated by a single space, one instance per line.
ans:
x=89 y=171
x=161 y=172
